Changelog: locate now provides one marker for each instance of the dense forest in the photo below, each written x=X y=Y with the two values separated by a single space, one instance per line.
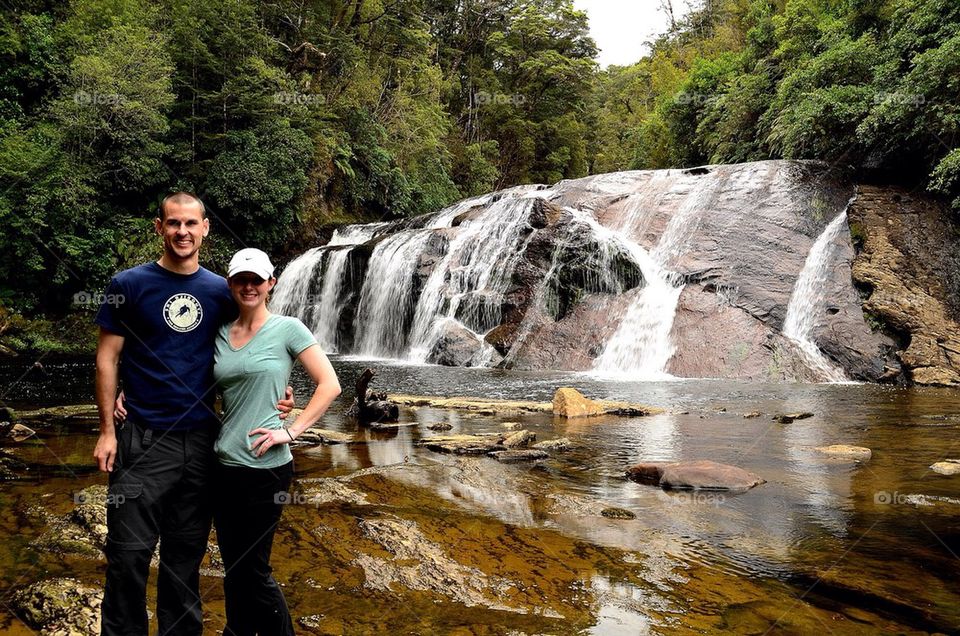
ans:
x=288 y=117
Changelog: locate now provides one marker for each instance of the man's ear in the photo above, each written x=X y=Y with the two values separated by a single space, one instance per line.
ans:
x=206 y=227
x=158 y=226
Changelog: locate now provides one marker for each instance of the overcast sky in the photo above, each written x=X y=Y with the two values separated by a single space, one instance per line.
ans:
x=620 y=27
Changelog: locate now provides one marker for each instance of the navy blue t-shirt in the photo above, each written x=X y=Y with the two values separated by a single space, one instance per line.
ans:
x=169 y=322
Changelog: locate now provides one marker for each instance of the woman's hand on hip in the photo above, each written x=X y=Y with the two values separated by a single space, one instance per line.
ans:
x=269 y=438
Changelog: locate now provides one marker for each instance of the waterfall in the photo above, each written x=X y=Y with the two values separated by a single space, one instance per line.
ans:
x=641 y=347
x=468 y=284
x=321 y=312
x=807 y=300
x=381 y=320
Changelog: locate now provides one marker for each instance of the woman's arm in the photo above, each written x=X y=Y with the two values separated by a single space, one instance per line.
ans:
x=318 y=367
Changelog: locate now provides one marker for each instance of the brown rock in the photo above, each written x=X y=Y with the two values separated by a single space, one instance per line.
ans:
x=463 y=444
x=700 y=474
x=845 y=451
x=516 y=456
x=947 y=467
x=520 y=439
x=571 y=403
x=617 y=513
x=786 y=418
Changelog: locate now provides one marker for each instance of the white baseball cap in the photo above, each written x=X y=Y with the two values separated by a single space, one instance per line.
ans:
x=251 y=259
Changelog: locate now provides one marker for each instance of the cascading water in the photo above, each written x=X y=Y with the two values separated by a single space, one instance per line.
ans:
x=641 y=348
x=807 y=301
x=468 y=283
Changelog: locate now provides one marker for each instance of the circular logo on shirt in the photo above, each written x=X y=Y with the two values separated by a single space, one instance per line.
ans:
x=182 y=312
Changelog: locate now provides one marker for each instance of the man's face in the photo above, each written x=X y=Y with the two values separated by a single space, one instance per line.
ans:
x=182 y=228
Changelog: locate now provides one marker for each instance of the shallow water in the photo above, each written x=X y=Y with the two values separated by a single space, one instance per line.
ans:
x=824 y=545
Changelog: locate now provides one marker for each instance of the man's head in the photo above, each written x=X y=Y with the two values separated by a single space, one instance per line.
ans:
x=182 y=223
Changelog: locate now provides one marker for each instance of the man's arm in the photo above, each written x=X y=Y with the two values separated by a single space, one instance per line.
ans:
x=108 y=371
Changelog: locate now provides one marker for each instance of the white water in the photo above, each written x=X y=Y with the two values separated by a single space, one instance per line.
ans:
x=641 y=347
x=807 y=301
x=473 y=274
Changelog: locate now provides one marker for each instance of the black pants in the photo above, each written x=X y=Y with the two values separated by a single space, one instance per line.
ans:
x=159 y=489
x=248 y=506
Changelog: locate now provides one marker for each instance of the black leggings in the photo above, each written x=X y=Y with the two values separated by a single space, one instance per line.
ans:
x=248 y=503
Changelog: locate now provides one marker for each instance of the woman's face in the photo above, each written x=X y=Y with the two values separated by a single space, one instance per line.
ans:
x=249 y=290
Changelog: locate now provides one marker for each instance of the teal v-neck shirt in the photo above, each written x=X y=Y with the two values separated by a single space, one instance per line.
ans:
x=252 y=379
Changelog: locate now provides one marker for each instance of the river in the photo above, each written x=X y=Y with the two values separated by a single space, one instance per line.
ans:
x=421 y=542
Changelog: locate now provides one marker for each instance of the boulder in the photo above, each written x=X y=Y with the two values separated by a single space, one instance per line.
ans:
x=845 y=451
x=947 y=467
x=516 y=456
x=19 y=432
x=520 y=439
x=617 y=513
x=463 y=444
x=559 y=444
x=786 y=418
x=701 y=474
x=571 y=403
x=456 y=346
x=59 y=606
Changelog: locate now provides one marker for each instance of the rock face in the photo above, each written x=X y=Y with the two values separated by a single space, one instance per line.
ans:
x=60 y=607
x=706 y=261
x=908 y=269
x=696 y=475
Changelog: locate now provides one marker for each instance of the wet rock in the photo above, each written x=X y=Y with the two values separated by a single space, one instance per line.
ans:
x=69 y=412
x=845 y=451
x=456 y=347
x=701 y=474
x=511 y=426
x=19 y=432
x=617 y=513
x=318 y=491
x=907 y=267
x=786 y=418
x=440 y=426
x=463 y=444
x=7 y=415
x=517 y=456
x=60 y=607
x=324 y=436
x=11 y=467
x=559 y=444
x=476 y=405
x=417 y=563
x=571 y=403
x=520 y=439
x=946 y=467
x=389 y=426
x=752 y=414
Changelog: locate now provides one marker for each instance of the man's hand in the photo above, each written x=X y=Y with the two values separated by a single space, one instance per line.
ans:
x=119 y=413
x=286 y=404
x=106 y=452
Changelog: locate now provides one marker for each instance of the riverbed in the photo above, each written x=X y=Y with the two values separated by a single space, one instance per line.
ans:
x=384 y=536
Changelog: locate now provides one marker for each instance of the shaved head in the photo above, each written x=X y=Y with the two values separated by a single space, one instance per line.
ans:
x=181 y=198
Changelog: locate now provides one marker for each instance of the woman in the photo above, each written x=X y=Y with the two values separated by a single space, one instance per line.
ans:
x=252 y=363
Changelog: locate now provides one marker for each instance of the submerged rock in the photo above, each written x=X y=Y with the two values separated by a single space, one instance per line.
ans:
x=946 y=467
x=517 y=456
x=60 y=607
x=786 y=418
x=11 y=467
x=440 y=426
x=617 y=513
x=697 y=475
x=845 y=451
x=558 y=444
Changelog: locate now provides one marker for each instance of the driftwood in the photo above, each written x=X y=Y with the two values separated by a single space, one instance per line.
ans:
x=369 y=407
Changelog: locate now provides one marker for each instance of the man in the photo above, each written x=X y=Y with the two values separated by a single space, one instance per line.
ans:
x=162 y=327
